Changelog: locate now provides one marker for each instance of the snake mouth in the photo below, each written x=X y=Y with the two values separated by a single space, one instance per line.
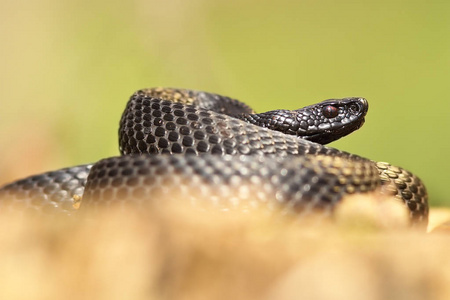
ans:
x=349 y=128
x=328 y=136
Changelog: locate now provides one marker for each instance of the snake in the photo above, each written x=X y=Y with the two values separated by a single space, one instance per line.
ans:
x=214 y=151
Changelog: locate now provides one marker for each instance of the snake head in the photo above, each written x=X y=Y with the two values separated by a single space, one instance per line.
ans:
x=330 y=120
x=322 y=123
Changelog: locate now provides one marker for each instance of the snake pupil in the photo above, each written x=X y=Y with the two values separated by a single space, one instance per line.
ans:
x=330 y=111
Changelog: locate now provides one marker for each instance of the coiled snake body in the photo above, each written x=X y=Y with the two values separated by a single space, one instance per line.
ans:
x=212 y=150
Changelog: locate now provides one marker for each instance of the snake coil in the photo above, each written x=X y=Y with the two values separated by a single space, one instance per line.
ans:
x=213 y=150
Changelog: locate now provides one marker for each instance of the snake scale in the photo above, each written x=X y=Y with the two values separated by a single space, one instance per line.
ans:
x=215 y=151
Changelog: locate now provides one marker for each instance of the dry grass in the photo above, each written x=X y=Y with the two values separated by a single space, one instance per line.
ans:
x=176 y=253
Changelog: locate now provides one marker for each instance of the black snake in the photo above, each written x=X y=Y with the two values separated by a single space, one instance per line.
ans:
x=216 y=151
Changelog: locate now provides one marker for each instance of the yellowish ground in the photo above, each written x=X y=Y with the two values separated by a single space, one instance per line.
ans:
x=177 y=253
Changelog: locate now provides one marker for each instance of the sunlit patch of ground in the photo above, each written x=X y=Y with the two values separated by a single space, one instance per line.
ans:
x=177 y=253
x=439 y=220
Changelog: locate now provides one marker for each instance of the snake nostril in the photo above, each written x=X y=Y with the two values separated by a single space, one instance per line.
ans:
x=354 y=108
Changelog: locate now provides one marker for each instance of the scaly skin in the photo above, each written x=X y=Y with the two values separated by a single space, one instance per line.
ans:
x=238 y=160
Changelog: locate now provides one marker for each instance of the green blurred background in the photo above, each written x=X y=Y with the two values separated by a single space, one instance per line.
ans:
x=68 y=68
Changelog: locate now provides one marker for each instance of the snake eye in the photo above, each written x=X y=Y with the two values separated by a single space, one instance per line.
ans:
x=330 y=111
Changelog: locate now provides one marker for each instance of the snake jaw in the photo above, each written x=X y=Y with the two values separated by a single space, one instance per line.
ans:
x=326 y=137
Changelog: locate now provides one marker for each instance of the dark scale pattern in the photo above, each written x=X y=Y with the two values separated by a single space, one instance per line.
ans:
x=298 y=184
x=208 y=101
x=407 y=188
x=269 y=164
x=52 y=192
x=210 y=132
x=315 y=123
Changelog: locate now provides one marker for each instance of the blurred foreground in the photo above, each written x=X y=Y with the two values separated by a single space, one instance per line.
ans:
x=174 y=252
